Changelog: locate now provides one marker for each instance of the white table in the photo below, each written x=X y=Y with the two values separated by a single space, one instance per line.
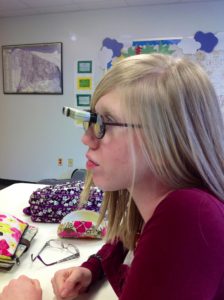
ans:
x=12 y=200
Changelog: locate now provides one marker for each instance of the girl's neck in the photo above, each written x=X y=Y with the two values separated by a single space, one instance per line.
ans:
x=147 y=197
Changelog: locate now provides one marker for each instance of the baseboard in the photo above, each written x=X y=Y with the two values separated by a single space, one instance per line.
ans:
x=11 y=181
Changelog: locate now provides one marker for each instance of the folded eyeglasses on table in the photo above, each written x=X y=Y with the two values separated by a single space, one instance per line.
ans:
x=61 y=245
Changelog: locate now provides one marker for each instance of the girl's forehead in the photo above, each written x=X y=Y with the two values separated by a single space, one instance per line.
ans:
x=110 y=103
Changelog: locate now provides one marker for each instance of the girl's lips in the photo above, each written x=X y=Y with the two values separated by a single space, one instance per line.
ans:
x=90 y=164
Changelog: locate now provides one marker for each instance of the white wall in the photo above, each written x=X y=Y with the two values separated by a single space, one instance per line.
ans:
x=32 y=129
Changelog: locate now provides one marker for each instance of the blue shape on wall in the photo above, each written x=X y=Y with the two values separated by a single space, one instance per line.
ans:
x=208 y=41
x=114 y=45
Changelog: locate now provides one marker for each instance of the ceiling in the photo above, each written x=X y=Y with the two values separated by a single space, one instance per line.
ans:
x=10 y=8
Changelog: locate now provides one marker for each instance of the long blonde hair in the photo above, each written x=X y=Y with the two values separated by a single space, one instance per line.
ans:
x=182 y=134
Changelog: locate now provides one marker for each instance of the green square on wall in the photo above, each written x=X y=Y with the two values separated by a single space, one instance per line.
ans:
x=83 y=99
x=84 y=66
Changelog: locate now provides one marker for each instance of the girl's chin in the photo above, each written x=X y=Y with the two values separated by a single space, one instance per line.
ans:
x=105 y=185
x=100 y=184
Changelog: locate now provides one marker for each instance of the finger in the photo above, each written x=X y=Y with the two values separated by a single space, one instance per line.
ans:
x=66 y=283
x=54 y=286
x=59 y=280
x=60 y=277
x=56 y=289
x=36 y=283
x=24 y=277
x=71 y=286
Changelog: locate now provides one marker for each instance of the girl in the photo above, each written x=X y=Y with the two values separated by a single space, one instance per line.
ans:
x=156 y=148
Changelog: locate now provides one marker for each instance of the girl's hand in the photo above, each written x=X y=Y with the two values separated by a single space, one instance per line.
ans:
x=23 y=288
x=69 y=283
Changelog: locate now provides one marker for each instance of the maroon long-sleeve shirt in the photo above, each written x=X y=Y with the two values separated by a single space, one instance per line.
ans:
x=179 y=255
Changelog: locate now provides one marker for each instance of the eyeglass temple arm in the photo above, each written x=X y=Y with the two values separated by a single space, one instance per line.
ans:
x=76 y=255
x=34 y=258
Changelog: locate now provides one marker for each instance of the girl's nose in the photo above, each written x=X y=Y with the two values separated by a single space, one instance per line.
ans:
x=89 y=139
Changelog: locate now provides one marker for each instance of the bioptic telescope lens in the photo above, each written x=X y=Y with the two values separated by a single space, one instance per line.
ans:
x=76 y=114
x=80 y=116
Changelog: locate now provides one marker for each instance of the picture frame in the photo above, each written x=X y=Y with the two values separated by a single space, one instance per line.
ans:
x=32 y=68
x=83 y=100
x=84 y=83
x=84 y=66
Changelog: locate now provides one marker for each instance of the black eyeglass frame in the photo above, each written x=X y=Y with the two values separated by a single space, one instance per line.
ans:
x=99 y=119
x=47 y=244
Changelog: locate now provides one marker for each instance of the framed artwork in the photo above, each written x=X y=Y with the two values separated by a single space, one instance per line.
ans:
x=32 y=69
x=83 y=99
x=84 y=83
x=84 y=66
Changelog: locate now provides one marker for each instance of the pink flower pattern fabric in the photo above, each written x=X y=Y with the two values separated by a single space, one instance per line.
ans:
x=4 y=246
x=81 y=224
x=11 y=230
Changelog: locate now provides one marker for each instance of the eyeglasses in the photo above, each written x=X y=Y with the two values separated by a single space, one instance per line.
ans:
x=99 y=126
x=57 y=244
x=93 y=120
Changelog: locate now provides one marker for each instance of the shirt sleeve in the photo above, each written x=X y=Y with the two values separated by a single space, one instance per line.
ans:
x=180 y=252
x=109 y=262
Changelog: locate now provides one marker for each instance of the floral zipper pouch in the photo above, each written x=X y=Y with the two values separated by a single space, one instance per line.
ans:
x=81 y=224
x=11 y=231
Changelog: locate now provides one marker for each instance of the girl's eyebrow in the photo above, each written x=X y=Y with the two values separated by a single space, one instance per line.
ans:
x=109 y=115
x=104 y=111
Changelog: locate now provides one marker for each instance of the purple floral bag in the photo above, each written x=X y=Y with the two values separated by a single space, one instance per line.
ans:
x=51 y=203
